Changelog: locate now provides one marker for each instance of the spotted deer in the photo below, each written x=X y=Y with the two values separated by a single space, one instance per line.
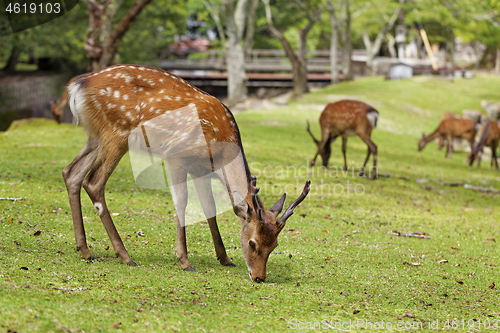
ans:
x=490 y=137
x=451 y=128
x=346 y=118
x=188 y=127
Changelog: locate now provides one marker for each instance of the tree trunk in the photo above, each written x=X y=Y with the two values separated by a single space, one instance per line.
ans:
x=347 y=64
x=373 y=48
x=299 y=63
x=250 y=29
x=102 y=44
x=215 y=16
x=488 y=59
x=477 y=54
x=10 y=66
x=294 y=59
x=334 y=41
x=418 y=42
x=301 y=82
x=450 y=50
x=497 y=62
x=390 y=46
x=236 y=73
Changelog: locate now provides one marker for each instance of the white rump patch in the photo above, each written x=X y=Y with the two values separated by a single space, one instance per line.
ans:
x=76 y=100
x=372 y=118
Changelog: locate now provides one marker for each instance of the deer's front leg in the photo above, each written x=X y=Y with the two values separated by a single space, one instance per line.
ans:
x=181 y=244
x=494 y=156
x=344 y=149
x=178 y=176
x=206 y=197
x=450 y=146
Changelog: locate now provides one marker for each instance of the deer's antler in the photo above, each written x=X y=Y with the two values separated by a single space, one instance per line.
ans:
x=289 y=211
x=312 y=136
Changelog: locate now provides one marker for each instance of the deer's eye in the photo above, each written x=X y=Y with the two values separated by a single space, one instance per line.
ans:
x=252 y=244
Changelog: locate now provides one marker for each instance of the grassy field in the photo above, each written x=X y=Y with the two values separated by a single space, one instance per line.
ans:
x=335 y=263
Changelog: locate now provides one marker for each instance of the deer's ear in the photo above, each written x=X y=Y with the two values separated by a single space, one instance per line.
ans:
x=278 y=206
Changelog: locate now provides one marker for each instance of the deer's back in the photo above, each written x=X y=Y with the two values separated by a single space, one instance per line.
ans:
x=458 y=127
x=124 y=101
x=344 y=117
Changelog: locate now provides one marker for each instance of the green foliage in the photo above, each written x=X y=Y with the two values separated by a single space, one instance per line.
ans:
x=154 y=30
x=334 y=256
x=62 y=37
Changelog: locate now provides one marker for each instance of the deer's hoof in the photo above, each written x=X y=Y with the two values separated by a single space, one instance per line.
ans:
x=91 y=258
x=230 y=264
x=131 y=263
x=190 y=269
x=375 y=176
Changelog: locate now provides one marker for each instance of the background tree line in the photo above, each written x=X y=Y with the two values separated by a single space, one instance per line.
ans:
x=98 y=33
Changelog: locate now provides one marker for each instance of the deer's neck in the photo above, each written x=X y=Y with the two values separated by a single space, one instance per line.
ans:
x=432 y=136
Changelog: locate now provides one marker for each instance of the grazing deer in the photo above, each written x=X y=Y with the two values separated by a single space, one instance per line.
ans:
x=451 y=128
x=194 y=127
x=490 y=137
x=57 y=108
x=447 y=115
x=345 y=118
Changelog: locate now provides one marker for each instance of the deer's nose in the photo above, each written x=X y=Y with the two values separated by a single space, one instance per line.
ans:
x=259 y=280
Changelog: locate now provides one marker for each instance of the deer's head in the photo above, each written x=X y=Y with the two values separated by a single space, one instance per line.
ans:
x=324 y=151
x=421 y=143
x=261 y=227
x=56 y=112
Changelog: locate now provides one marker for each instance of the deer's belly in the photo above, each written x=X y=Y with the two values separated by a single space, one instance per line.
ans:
x=349 y=132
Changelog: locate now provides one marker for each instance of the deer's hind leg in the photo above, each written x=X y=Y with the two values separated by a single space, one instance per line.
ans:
x=204 y=190
x=344 y=149
x=372 y=148
x=494 y=154
x=95 y=183
x=73 y=176
x=450 y=146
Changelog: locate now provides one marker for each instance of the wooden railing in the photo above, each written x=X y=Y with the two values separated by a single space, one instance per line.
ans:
x=265 y=61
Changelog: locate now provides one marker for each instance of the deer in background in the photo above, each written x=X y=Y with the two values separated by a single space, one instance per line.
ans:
x=57 y=108
x=447 y=115
x=490 y=137
x=451 y=128
x=112 y=103
x=346 y=118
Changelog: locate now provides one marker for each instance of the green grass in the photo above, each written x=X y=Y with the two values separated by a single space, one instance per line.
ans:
x=339 y=264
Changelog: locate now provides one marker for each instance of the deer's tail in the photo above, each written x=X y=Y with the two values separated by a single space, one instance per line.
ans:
x=372 y=116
